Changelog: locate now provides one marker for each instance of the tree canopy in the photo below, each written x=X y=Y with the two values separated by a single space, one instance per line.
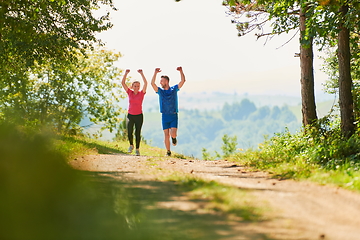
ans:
x=42 y=29
x=51 y=67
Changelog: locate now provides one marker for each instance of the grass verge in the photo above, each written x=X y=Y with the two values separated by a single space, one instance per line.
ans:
x=285 y=164
x=75 y=146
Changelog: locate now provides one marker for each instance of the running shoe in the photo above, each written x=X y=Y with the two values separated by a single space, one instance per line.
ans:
x=137 y=152
x=130 y=149
x=168 y=153
x=174 y=141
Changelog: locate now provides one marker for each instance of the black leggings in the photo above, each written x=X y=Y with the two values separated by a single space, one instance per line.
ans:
x=136 y=120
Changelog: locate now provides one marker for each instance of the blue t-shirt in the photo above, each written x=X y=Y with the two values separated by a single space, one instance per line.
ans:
x=168 y=100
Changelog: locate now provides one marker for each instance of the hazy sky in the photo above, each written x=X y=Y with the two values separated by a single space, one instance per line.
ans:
x=199 y=36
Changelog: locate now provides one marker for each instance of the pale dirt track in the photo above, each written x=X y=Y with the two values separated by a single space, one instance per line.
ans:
x=301 y=210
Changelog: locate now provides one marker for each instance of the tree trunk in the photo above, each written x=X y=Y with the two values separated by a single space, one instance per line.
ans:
x=307 y=75
x=345 y=82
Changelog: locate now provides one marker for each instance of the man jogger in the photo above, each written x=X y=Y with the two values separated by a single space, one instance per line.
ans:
x=168 y=100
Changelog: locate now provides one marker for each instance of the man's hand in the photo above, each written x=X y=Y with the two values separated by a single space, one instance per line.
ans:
x=153 y=84
x=127 y=71
x=181 y=83
x=140 y=71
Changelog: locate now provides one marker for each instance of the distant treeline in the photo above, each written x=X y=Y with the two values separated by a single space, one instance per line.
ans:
x=205 y=129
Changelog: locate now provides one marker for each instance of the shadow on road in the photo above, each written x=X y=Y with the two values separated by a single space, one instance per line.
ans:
x=43 y=198
x=144 y=206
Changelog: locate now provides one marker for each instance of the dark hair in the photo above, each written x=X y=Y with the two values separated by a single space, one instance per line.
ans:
x=166 y=77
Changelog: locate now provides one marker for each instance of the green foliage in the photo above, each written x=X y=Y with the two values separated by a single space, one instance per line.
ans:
x=228 y=148
x=60 y=94
x=46 y=30
x=310 y=153
x=206 y=155
x=74 y=146
x=229 y=145
x=324 y=147
x=44 y=196
x=42 y=61
x=326 y=19
x=121 y=134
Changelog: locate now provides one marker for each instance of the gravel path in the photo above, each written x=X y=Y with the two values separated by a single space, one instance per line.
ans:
x=301 y=210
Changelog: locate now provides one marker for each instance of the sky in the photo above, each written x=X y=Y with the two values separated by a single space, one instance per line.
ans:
x=199 y=36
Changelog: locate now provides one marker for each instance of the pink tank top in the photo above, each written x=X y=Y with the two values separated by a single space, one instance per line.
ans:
x=135 y=102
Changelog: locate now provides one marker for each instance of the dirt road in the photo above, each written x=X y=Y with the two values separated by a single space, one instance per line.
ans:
x=300 y=210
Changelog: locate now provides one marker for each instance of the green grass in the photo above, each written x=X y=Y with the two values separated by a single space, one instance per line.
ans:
x=299 y=169
x=329 y=160
x=75 y=146
x=343 y=177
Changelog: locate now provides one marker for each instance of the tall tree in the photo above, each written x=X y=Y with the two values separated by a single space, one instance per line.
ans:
x=338 y=20
x=308 y=106
x=345 y=82
x=285 y=15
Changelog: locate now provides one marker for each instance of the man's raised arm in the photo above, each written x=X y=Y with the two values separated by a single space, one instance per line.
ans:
x=153 y=84
x=182 y=81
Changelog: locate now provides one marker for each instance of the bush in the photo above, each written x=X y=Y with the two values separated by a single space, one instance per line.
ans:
x=229 y=145
x=43 y=198
x=316 y=149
